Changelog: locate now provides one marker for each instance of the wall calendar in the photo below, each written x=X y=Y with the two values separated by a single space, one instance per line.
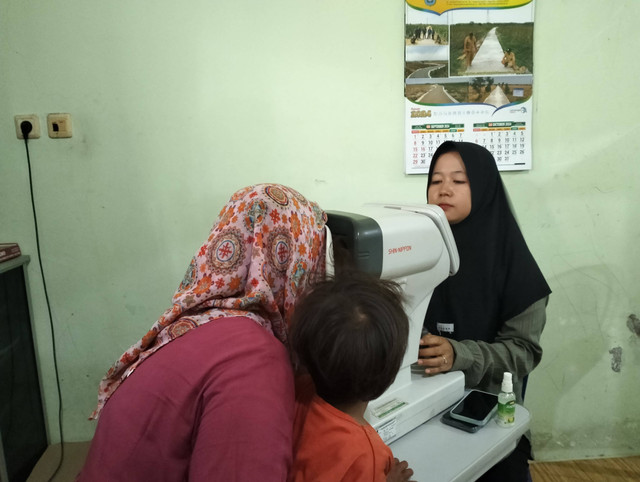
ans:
x=468 y=77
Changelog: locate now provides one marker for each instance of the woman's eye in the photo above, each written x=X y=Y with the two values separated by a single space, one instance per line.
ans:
x=436 y=181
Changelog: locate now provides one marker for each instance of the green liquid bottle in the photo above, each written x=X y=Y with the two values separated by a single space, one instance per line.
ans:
x=506 y=403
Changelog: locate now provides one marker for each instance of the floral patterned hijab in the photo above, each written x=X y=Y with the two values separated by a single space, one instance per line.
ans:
x=267 y=245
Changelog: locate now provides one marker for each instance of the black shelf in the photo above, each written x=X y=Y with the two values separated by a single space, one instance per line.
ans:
x=23 y=435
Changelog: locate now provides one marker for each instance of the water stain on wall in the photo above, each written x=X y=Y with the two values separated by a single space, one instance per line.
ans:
x=633 y=323
x=616 y=358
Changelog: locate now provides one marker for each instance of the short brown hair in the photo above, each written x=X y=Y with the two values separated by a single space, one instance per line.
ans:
x=351 y=333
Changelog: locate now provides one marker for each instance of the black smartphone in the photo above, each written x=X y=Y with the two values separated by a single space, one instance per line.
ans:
x=467 y=427
x=476 y=407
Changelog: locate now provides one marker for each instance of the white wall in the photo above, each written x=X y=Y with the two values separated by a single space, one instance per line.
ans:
x=177 y=104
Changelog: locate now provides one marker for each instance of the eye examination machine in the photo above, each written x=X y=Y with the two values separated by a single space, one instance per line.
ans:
x=412 y=245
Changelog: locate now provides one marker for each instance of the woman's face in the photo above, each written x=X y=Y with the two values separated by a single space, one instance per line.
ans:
x=450 y=187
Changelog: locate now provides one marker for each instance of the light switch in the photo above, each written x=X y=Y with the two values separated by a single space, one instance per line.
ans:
x=59 y=125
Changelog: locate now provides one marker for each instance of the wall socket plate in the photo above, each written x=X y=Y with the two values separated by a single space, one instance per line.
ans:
x=35 y=125
x=59 y=126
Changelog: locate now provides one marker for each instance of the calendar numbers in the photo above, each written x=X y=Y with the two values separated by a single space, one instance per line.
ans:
x=427 y=138
x=507 y=141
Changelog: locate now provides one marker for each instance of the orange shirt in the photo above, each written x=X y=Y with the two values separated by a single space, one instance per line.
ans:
x=329 y=445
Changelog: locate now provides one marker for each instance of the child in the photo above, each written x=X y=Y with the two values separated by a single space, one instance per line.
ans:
x=350 y=334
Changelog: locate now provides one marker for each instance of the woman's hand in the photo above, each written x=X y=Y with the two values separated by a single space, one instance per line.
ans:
x=400 y=472
x=436 y=354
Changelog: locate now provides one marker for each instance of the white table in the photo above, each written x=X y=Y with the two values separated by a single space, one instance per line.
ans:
x=440 y=453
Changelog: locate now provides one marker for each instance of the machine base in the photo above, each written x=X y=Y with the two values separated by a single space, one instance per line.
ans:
x=405 y=408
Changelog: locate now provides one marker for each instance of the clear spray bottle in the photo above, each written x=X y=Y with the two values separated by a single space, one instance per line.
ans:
x=506 y=403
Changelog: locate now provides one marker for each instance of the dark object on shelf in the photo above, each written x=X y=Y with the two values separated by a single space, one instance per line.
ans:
x=9 y=251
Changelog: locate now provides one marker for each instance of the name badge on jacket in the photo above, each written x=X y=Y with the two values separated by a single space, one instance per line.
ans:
x=445 y=328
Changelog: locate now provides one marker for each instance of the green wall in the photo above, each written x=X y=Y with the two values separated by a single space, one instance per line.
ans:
x=177 y=104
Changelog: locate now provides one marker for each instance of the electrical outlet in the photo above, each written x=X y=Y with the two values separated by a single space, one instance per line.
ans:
x=35 y=125
x=59 y=125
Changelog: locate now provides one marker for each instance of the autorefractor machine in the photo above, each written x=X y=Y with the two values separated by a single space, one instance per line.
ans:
x=412 y=245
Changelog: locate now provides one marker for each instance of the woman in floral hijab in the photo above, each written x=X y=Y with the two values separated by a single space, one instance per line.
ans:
x=216 y=402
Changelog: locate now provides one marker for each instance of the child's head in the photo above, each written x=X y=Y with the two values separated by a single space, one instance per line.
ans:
x=351 y=333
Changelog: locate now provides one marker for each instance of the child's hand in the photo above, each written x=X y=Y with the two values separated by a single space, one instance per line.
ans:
x=400 y=472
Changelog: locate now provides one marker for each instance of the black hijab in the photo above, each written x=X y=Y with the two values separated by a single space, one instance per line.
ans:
x=498 y=277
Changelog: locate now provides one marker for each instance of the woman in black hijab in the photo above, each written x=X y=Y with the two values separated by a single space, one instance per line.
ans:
x=487 y=319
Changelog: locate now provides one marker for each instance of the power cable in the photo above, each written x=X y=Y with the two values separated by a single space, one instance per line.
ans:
x=26 y=128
